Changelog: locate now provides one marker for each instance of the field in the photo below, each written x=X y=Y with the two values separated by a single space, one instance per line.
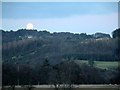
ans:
x=101 y=64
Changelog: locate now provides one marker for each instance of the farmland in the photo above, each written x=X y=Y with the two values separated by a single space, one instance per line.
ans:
x=101 y=64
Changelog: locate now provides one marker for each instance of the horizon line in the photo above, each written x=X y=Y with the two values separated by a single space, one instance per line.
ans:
x=56 y=31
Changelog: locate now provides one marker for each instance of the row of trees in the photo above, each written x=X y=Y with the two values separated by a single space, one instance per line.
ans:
x=9 y=36
x=66 y=73
x=116 y=35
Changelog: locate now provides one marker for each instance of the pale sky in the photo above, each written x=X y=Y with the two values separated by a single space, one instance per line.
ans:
x=76 y=17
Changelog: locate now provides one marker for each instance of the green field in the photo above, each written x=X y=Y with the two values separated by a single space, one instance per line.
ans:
x=101 y=64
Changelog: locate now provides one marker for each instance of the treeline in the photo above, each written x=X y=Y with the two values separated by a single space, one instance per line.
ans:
x=64 y=73
x=9 y=36
x=116 y=35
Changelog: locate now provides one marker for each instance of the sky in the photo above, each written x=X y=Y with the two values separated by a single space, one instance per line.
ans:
x=75 y=17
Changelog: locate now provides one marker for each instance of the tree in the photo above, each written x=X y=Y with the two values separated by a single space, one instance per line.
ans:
x=43 y=72
x=91 y=62
x=27 y=75
x=116 y=33
x=9 y=74
x=70 y=74
x=55 y=77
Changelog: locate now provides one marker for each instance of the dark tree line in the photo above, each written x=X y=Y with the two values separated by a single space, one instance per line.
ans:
x=66 y=73
x=116 y=35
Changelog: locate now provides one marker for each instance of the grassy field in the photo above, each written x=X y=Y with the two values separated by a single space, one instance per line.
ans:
x=101 y=64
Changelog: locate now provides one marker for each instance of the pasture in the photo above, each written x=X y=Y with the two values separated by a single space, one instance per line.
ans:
x=101 y=64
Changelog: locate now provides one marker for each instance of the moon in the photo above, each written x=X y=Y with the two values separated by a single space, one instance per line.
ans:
x=29 y=26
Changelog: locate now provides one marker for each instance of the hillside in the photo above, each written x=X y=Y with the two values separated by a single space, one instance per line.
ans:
x=33 y=47
x=32 y=57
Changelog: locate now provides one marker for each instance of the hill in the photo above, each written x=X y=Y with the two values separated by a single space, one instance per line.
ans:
x=33 y=47
x=31 y=57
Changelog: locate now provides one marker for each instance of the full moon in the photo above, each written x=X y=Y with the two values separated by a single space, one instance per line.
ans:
x=29 y=26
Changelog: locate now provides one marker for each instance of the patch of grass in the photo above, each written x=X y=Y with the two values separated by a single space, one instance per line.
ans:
x=101 y=64
x=106 y=64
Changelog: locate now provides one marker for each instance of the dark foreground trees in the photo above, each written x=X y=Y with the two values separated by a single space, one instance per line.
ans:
x=66 y=74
